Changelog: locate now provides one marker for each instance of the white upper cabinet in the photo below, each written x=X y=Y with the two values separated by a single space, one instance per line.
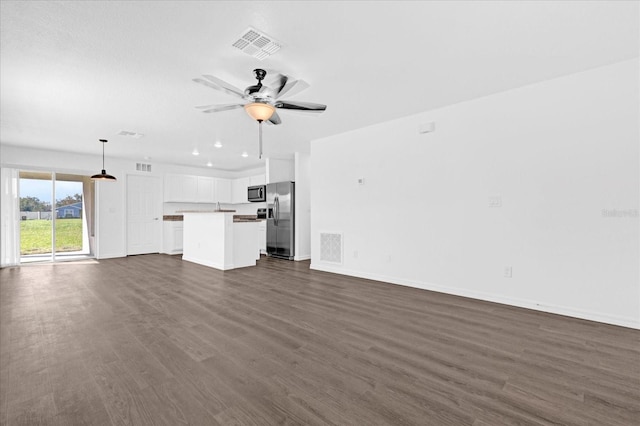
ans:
x=223 y=190
x=257 y=180
x=180 y=188
x=206 y=190
x=196 y=189
x=239 y=190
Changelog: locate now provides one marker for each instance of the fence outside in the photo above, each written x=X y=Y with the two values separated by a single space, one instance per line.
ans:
x=35 y=215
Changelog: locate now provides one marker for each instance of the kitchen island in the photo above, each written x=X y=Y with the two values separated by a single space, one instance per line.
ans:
x=214 y=239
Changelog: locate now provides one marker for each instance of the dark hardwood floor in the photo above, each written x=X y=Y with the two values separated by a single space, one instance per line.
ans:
x=153 y=340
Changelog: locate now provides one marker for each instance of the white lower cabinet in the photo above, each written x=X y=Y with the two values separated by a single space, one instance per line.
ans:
x=262 y=236
x=172 y=232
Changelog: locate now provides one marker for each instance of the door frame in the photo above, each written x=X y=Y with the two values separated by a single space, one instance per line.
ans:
x=88 y=250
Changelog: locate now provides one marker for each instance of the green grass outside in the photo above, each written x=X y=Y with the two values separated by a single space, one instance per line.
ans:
x=35 y=236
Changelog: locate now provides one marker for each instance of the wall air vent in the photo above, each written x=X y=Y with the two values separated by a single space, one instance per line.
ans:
x=142 y=167
x=330 y=247
x=257 y=44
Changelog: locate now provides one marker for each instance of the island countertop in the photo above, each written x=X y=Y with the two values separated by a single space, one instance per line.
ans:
x=236 y=217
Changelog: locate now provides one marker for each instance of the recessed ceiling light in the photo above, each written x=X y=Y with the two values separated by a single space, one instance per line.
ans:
x=196 y=152
x=218 y=144
x=209 y=164
x=244 y=154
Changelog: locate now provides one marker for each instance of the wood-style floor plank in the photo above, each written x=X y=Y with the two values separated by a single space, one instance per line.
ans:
x=153 y=340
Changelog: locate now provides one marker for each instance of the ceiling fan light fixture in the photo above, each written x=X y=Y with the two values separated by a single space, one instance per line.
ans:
x=260 y=111
x=103 y=175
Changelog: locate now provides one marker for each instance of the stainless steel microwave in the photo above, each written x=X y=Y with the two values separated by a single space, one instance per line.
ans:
x=257 y=193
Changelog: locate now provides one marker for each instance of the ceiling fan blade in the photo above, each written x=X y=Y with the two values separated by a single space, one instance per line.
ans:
x=275 y=119
x=292 y=87
x=301 y=106
x=206 y=83
x=219 y=108
x=279 y=83
x=224 y=86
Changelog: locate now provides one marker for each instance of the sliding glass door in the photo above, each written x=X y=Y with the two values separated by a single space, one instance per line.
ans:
x=55 y=213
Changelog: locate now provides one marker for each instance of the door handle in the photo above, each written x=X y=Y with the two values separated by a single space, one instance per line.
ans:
x=155 y=218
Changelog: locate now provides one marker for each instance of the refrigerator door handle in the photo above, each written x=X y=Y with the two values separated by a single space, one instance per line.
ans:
x=276 y=205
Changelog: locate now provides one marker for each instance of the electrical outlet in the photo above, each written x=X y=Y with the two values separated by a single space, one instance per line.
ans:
x=508 y=271
x=355 y=254
x=495 y=201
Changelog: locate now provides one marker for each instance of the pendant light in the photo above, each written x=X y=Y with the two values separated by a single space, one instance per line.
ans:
x=103 y=175
x=260 y=112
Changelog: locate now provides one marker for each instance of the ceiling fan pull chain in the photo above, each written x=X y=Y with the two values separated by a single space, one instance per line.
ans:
x=260 y=139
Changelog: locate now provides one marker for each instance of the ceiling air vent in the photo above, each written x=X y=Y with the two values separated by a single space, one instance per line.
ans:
x=130 y=134
x=257 y=44
x=142 y=167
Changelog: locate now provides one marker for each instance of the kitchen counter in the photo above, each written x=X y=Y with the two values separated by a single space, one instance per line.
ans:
x=246 y=218
x=217 y=240
x=180 y=217
x=206 y=211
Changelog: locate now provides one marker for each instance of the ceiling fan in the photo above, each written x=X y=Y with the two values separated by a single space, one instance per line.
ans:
x=260 y=100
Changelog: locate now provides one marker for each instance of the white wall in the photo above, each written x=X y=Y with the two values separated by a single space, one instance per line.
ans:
x=111 y=236
x=302 y=206
x=558 y=153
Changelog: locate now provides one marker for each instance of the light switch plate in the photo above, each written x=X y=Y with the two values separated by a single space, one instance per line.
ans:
x=495 y=201
x=427 y=127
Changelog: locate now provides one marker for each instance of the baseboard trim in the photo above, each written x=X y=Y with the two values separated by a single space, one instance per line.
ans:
x=111 y=256
x=303 y=257
x=487 y=297
x=206 y=262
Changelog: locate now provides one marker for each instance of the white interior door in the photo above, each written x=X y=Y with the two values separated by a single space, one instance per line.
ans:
x=144 y=214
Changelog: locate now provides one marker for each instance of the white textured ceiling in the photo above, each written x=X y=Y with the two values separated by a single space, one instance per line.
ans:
x=73 y=72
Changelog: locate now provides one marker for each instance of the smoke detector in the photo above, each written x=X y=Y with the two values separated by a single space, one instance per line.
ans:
x=257 y=44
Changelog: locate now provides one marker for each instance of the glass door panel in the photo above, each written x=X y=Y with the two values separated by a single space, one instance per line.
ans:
x=36 y=218
x=70 y=213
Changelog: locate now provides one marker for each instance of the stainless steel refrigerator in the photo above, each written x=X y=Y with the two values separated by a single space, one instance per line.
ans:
x=280 y=219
